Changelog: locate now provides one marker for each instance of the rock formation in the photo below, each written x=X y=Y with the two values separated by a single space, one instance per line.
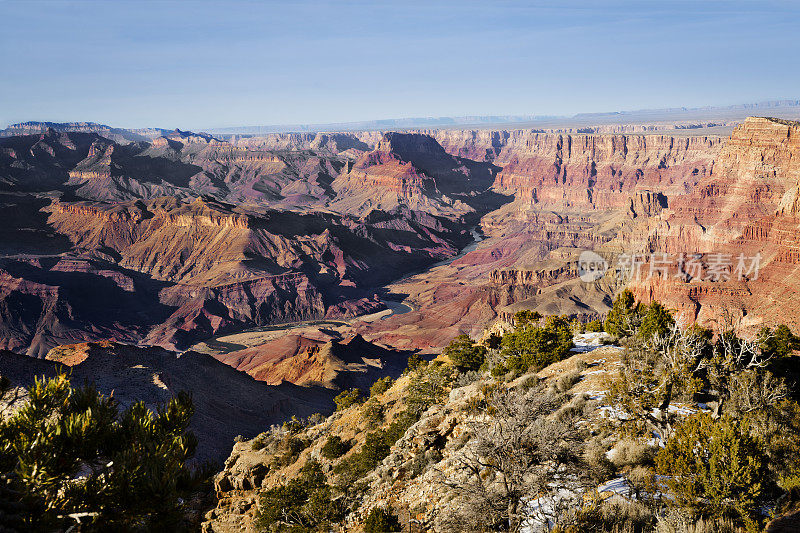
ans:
x=410 y=477
x=335 y=363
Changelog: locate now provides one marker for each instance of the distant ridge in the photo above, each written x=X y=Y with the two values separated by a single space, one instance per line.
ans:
x=770 y=104
x=385 y=124
x=632 y=121
x=677 y=117
x=121 y=135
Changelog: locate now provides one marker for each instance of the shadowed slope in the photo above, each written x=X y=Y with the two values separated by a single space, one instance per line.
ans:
x=227 y=402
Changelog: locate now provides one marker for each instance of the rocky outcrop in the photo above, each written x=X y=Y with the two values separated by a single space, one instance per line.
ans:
x=586 y=171
x=333 y=362
x=412 y=479
x=189 y=137
x=329 y=142
x=534 y=278
x=97 y=164
x=478 y=145
x=386 y=178
x=414 y=171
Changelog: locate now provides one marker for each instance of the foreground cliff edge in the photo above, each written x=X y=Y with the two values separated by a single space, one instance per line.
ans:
x=484 y=439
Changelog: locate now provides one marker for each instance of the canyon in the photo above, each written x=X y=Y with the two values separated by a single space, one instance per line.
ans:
x=741 y=219
x=429 y=267
x=212 y=236
x=292 y=251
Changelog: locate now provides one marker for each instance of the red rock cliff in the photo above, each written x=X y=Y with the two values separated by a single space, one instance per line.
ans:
x=747 y=206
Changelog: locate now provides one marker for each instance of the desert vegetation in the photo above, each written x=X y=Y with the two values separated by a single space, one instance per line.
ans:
x=533 y=344
x=72 y=458
x=726 y=462
x=703 y=435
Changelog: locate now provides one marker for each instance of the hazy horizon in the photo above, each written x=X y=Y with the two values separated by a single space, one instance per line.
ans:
x=786 y=108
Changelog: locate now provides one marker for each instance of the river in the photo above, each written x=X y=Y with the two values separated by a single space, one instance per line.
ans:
x=226 y=343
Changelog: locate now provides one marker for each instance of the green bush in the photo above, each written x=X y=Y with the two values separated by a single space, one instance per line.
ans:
x=715 y=467
x=290 y=449
x=399 y=426
x=304 y=503
x=594 y=326
x=533 y=347
x=261 y=441
x=380 y=521
x=779 y=342
x=624 y=318
x=347 y=398
x=381 y=386
x=427 y=387
x=295 y=445
x=293 y=425
x=657 y=320
x=499 y=370
x=70 y=450
x=374 y=450
x=334 y=447
x=493 y=341
x=373 y=411
x=784 y=443
x=415 y=362
x=526 y=316
x=464 y=354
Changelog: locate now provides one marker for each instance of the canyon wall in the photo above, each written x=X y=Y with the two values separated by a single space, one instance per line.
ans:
x=330 y=142
x=586 y=171
x=210 y=237
x=742 y=221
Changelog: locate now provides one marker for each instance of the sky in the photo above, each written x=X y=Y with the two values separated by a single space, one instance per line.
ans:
x=208 y=64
